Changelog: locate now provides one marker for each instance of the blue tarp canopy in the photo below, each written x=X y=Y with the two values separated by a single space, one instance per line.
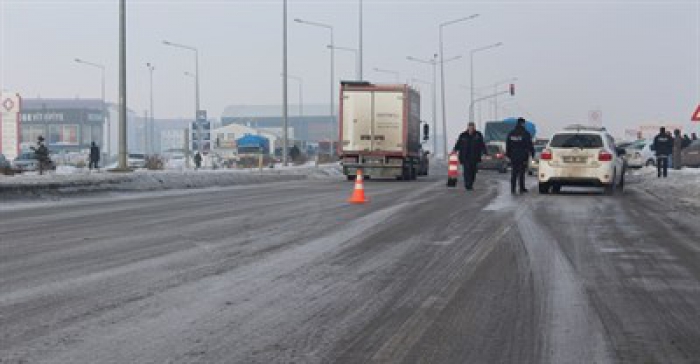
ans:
x=252 y=141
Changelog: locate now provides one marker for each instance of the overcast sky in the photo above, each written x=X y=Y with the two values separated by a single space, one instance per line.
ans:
x=637 y=61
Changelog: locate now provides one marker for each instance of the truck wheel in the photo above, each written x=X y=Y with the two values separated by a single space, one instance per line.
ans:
x=351 y=178
x=556 y=188
x=544 y=188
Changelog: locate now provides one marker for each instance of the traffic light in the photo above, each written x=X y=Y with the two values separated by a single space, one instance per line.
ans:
x=512 y=89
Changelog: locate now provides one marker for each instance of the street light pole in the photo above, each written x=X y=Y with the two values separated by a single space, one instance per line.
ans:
x=391 y=72
x=442 y=78
x=151 y=129
x=433 y=63
x=105 y=119
x=361 y=46
x=285 y=103
x=301 y=93
x=332 y=77
x=471 y=72
x=123 y=165
x=357 y=58
x=196 y=82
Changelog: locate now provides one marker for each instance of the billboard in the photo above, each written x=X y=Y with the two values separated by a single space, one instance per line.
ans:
x=10 y=106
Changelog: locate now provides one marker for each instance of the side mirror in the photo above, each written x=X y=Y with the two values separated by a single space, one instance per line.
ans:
x=426 y=131
x=621 y=151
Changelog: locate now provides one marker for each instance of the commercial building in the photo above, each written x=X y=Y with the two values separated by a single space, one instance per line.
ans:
x=311 y=123
x=68 y=125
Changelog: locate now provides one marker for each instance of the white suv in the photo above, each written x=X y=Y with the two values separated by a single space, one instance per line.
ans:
x=581 y=156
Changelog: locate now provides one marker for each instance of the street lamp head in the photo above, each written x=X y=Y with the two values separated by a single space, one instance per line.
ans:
x=78 y=60
x=166 y=42
x=498 y=44
x=298 y=20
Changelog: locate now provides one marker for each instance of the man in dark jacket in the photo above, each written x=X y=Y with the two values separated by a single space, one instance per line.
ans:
x=470 y=146
x=677 y=147
x=519 y=149
x=197 y=161
x=94 y=156
x=663 y=148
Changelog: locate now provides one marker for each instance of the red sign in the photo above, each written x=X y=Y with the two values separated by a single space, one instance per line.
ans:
x=696 y=115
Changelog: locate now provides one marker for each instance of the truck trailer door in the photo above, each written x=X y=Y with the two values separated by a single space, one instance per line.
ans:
x=389 y=113
x=357 y=121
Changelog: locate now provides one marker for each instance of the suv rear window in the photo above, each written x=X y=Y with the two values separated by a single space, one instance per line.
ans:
x=493 y=149
x=573 y=140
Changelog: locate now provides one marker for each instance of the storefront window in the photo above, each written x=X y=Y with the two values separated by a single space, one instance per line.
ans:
x=86 y=134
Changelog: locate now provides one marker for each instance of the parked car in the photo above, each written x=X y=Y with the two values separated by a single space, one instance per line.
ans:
x=581 y=155
x=690 y=156
x=639 y=154
x=496 y=158
x=25 y=162
x=5 y=165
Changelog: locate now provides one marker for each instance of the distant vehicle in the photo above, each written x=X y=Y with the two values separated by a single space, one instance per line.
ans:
x=639 y=154
x=380 y=131
x=176 y=161
x=690 y=156
x=496 y=132
x=535 y=162
x=253 y=144
x=581 y=156
x=25 y=162
x=137 y=161
x=496 y=158
x=5 y=165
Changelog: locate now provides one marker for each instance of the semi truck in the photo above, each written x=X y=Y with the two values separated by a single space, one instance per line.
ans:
x=380 y=131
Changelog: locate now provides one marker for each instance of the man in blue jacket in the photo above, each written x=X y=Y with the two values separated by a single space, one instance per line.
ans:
x=470 y=146
x=663 y=148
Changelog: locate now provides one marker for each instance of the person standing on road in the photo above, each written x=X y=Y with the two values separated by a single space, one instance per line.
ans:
x=198 y=161
x=663 y=147
x=519 y=149
x=94 y=156
x=677 y=147
x=470 y=146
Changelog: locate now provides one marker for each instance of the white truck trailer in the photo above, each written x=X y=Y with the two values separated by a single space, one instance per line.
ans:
x=380 y=131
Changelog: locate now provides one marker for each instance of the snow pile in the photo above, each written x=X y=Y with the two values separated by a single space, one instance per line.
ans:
x=681 y=186
x=71 y=181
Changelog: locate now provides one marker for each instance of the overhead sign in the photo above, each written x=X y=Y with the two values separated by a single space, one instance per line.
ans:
x=696 y=115
x=10 y=106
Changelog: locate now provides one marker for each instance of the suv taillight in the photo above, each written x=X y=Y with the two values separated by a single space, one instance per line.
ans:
x=604 y=156
x=546 y=155
x=499 y=155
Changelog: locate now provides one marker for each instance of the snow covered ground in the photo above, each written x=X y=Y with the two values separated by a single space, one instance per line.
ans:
x=681 y=186
x=69 y=180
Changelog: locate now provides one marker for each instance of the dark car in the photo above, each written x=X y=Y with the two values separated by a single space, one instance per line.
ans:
x=5 y=165
x=690 y=156
x=496 y=158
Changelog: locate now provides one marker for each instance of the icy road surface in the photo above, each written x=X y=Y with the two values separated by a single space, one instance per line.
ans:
x=290 y=273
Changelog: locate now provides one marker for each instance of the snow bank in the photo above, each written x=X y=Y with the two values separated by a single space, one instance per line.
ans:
x=67 y=181
x=681 y=186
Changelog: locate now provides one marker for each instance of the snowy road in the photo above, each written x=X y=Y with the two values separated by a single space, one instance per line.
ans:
x=290 y=273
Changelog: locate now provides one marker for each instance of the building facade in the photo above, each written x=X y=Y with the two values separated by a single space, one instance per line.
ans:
x=312 y=123
x=67 y=125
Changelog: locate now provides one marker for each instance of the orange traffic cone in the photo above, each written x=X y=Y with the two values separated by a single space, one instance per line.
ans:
x=358 y=194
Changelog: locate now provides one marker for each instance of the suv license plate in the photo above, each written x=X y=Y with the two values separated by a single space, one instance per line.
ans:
x=575 y=159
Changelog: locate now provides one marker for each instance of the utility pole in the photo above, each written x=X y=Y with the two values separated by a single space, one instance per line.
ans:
x=285 y=104
x=123 y=165
x=151 y=129
x=361 y=46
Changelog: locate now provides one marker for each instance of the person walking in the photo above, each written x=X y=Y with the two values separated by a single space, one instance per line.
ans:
x=663 y=148
x=197 y=161
x=41 y=154
x=677 y=147
x=519 y=149
x=94 y=156
x=470 y=146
